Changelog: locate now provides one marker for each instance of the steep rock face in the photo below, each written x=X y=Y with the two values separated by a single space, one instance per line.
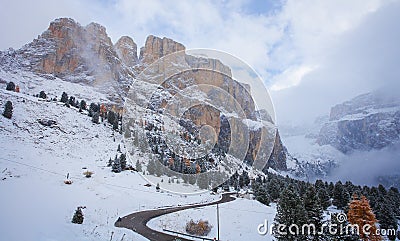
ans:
x=369 y=121
x=77 y=54
x=156 y=48
x=86 y=54
x=215 y=84
x=127 y=51
x=278 y=157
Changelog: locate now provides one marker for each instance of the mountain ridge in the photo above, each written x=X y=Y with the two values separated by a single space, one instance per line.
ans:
x=86 y=55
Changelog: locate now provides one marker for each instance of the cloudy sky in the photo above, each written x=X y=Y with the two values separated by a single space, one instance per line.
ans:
x=311 y=54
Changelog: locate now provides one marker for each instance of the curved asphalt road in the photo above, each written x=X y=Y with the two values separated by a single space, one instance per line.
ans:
x=137 y=221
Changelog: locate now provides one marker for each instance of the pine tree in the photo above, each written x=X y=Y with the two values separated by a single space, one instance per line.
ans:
x=360 y=213
x=119 y=148
x=42 y=95
x=8 y=110
x=122 y=160
x=273 y=188
x=290 y=210
x=116 y=166
x=324 y=198
x=78 y=216
x=115 y=124
x=340 y=196
x=111 y=117
x=261 y=195
x=10 y=86
x=64 y=97
x=386 y=215
x=314 y=212
x=93 y=108
x=83 y=105
x=95 y=118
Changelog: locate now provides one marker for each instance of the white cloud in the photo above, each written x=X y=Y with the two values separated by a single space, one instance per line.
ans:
x=291 y=77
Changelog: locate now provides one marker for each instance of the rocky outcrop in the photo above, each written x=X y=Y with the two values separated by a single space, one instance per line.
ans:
x=77 y=54
x=127 y=51
x=156 y=48
x=86 y=54
x=369 y=121
x=278 y=157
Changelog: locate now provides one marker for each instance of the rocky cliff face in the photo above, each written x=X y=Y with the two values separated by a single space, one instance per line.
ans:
x=156 y=48
x=127 y=51
x=369 y=121
x=78 y=54
x=86 y=54
x=220 y=78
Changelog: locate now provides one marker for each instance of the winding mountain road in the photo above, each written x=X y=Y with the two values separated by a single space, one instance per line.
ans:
x=137 y=221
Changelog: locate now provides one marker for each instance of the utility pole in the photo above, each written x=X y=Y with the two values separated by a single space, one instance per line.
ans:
x=217 y=222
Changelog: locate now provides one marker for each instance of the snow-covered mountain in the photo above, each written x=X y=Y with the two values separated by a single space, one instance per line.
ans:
x=86 y=55
x=369 y=121
x=360 y=130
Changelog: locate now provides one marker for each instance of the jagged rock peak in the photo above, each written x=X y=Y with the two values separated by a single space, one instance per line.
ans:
x=98 y=32
x=126 y=50
x=156 y=47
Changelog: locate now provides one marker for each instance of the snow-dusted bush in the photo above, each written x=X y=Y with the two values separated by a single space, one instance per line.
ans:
x=200 y=228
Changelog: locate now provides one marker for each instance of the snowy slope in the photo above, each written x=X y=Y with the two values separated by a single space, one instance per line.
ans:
x=35 y=202
x=240 y=220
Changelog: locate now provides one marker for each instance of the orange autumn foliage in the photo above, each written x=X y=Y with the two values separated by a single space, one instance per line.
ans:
x=361 y=214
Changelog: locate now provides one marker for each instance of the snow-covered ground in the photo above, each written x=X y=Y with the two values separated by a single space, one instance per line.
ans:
x=35 y=203
x=239 y=220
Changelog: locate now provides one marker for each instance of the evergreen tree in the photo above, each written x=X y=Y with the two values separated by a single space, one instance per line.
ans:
x=116 y=166
x=8 y=110
x=314 y=212
x=386 y=216
x=83 y=105
x=340 y=196
x=71 y=101
x=360 y=213
x=95 y=118
x=64 y=97
x=122 y=160
x=119 y=148
x=111 y=117
x=93 y=108
x=78 y=216
x=10 y=86
x=261 y=195
x=138 y=166
x=324 y=198
x=273 y=188
x=115 y=124
x=42 y=95
x=290 y=210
